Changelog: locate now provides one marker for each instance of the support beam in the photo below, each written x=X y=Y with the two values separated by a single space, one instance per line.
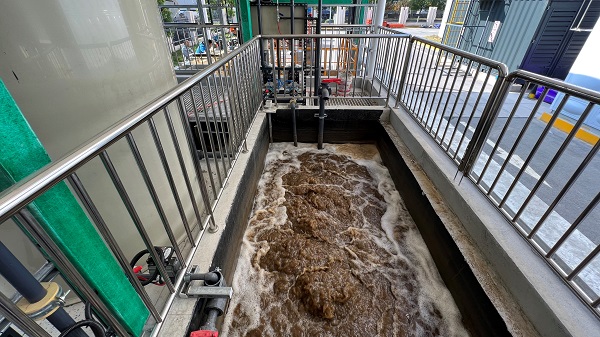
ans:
x=377 y=21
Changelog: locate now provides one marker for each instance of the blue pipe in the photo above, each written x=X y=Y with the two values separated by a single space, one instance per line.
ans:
x=19 y=277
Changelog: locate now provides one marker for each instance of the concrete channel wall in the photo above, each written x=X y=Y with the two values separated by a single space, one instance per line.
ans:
x=528 y=294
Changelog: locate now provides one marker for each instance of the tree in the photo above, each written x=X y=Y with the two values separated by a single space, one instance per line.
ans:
x=440 y=4
x=424 y=4
x=395 y=5
x=165 y=13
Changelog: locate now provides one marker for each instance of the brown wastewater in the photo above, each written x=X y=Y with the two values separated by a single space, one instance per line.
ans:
x=330 y=250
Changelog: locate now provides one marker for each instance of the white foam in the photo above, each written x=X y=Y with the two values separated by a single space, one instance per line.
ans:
x=250 y=281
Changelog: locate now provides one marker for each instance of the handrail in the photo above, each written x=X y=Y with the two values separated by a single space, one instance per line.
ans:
x=344 y=26
x=195 y=25
x=328 y=36
x=568 y=88
x=25 y=191
x=344 y=5
x=387 y=29
x=501 y=67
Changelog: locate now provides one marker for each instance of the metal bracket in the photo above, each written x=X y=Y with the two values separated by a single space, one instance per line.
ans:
x=197 y=289
x=317 y=116
x=209 y=292
x=54 y=299
x=268 y=112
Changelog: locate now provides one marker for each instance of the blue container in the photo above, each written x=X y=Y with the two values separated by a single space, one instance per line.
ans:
x=550 y=95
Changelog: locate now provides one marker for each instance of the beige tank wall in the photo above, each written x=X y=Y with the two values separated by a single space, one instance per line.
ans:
x=75 y=68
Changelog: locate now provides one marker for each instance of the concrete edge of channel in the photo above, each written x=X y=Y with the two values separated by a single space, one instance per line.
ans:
x=537 y=291
x=181 y=313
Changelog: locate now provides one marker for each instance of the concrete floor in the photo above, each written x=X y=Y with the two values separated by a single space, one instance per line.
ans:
x=420 y=32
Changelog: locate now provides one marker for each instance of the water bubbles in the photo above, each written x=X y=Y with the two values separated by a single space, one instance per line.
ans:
x=331 y=250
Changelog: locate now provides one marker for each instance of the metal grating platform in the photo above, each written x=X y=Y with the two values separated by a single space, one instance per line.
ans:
x=334 y=101
x=211 y=103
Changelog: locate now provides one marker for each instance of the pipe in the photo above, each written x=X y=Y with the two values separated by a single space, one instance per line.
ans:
x=260 y=30
x=19 y=277
x=323 y=96
x=215 y=307
x=292 y=16
x=374 y=44
x=270 y=127
x=293 y=106
x=317 y=64
x=352 y=16
x=211 y=278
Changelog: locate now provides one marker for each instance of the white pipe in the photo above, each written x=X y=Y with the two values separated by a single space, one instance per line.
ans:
x=374 y=42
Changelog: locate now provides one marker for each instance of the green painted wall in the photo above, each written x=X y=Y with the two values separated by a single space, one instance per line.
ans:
x=245 y=20
x=325 y=2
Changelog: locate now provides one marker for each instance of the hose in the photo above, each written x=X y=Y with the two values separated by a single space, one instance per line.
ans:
x=88 y=311
x=96 y=328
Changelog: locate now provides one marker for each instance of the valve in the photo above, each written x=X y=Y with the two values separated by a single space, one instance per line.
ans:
x=169 y=260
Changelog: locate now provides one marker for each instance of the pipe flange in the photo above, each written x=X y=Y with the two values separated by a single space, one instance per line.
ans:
x=54 y=299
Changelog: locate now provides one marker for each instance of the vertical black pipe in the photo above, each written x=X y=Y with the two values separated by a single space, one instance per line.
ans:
x=352 y=16
x=19 y=277
x=295 y=131
x=323 y=96
x=318 y=48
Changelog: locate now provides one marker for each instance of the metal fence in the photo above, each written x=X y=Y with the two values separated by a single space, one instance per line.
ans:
x=387 y=74
x=199 y=34
x=193 y=47
x=542 y=180
x=342 y=29
x=205 y=122
x=447 y=90
x=348 y=14
x=347 y=62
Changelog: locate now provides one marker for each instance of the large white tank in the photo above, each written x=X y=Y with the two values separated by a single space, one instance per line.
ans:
x=75 y=68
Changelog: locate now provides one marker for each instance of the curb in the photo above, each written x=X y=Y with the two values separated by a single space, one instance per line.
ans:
x=566 y=126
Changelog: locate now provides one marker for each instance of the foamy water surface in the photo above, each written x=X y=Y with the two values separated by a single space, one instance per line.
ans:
x=419 y=305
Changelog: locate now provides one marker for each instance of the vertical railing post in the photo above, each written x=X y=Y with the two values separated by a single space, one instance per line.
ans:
x=90 y=207
x=404 y=71
x=488 y=115
x=394 y=64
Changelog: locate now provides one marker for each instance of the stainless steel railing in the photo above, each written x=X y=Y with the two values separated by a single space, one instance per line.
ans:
x=192 y=47
x=447 y=90
x=542 y=180
x=348 y=62
x=199 y=34
x=202 y=123
x=387 y=73
x=463 y=101
x=354 y=14
x=342 y=29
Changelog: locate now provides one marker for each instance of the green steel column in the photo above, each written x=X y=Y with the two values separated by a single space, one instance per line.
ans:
x=59 y=213
x=245 y=20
